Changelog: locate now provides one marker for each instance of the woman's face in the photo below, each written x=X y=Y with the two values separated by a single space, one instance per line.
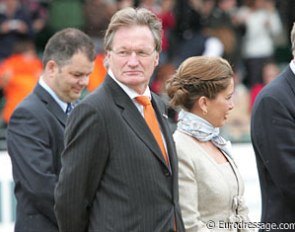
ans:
x=218 y=108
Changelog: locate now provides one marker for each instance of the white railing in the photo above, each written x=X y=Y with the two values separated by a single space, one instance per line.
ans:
x=245 y=159
x=7 y=214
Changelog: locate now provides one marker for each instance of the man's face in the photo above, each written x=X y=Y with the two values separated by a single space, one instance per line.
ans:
x=70 y=79
x=133 y=57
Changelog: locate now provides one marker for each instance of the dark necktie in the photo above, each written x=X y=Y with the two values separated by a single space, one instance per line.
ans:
x=69 y=108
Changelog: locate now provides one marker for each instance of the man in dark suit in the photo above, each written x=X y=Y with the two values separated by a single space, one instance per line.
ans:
x=114 y=176
x=273 y=137
x=35 y=133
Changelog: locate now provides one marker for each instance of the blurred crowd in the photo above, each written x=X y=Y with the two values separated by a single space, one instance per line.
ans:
x=251 y=34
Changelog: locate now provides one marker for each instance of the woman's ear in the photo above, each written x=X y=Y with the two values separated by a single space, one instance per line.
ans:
x=203 y=104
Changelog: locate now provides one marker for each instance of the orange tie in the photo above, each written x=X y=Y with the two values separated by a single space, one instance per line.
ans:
x=151 y=120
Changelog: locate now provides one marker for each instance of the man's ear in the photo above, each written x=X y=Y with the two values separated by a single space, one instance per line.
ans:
x=156 y=61
x=51 y=68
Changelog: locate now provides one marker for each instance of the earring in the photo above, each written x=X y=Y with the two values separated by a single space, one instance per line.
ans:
x=204 y=112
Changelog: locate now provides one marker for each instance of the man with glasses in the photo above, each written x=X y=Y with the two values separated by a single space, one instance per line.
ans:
x=119 y=173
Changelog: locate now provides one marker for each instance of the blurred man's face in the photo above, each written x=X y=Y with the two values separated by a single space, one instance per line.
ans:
x=70 y=79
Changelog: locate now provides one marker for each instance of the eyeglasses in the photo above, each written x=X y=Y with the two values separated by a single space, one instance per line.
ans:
x=139 y=53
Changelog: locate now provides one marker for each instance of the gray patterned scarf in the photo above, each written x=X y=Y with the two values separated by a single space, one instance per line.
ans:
x=202 y=130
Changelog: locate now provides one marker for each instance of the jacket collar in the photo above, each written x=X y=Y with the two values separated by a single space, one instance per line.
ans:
x=51 y=105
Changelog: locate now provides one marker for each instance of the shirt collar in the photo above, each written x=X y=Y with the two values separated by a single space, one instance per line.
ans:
x=292 y=66
x=61 y=103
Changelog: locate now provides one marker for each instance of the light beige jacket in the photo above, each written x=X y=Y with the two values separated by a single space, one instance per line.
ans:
x=205 y=199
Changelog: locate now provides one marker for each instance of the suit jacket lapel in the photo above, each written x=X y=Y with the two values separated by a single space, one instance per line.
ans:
x=50 y=104
x=290 y=78
x=163 y=121
x=133 y=117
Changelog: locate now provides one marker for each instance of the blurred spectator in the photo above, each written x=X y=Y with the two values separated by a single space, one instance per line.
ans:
x=98 y=73
x=218 y=22
x=151 y=5
x=186 y=38
x=164 y=73
x=270 y=71
x=213 y=46
x=38 y=13
x=283 y=52
x=65 y=13
x=15 y=25
x=19 y=74
x=168 y=21
x=237 y=128
x=288 y=11
x=97 y=16
x=262 y=23
x=124 y=3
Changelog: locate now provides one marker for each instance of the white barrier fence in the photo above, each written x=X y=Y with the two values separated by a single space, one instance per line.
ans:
x=243 y=155
x=7 y=200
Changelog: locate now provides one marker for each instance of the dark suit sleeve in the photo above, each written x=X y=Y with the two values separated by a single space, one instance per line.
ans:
x=273 y=134
x=29 y=147
x=83 y=162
